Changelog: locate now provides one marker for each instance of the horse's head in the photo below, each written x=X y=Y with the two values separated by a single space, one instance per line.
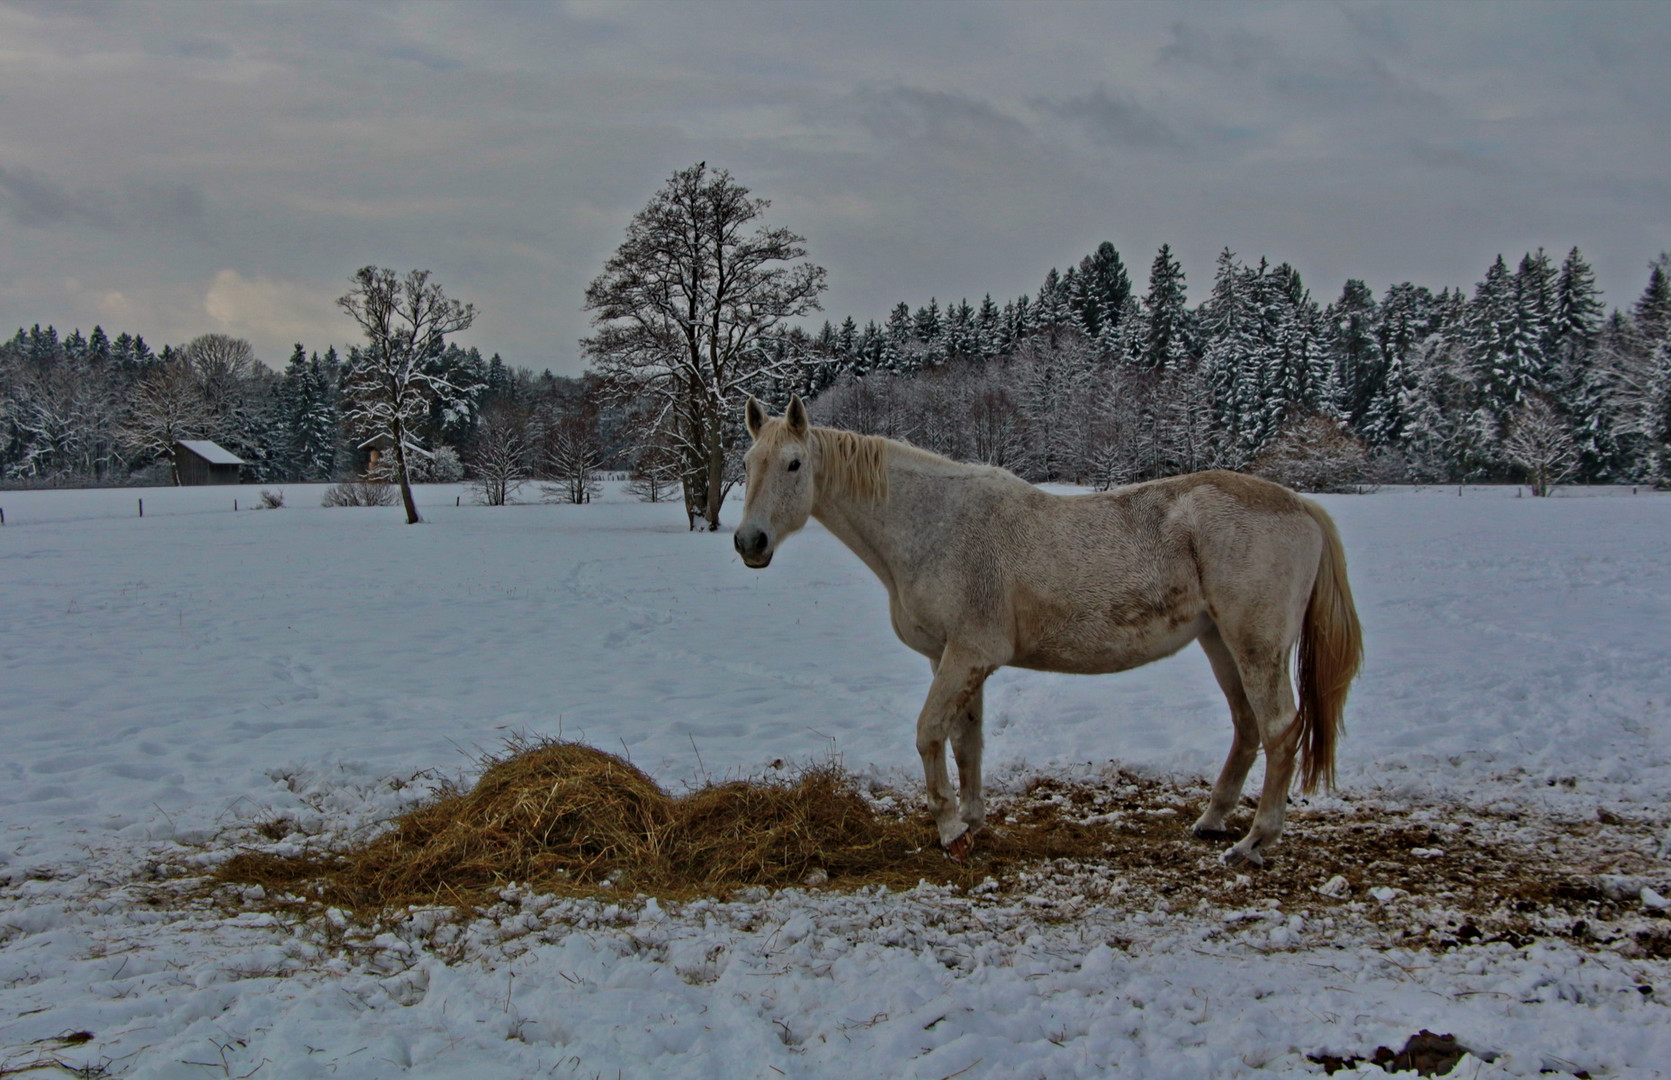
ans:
x=780 y=467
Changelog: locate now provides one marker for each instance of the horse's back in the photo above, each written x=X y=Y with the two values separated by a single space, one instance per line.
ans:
x=1112 y=580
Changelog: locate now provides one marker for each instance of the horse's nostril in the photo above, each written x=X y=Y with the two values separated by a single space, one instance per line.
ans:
x=750 y=544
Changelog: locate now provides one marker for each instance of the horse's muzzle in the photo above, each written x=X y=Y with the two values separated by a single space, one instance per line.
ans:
x=754 y=546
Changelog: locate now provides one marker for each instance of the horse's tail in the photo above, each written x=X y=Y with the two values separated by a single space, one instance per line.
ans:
x=1331 y=652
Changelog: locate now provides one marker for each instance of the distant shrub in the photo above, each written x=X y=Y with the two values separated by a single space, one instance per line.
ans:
x=652 y=487
x=272 y=500
x=360 y=493
x=440 y=466
x=1315 y=454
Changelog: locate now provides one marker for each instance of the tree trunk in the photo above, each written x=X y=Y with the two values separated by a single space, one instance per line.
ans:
x=716 y=483
x=412 y=517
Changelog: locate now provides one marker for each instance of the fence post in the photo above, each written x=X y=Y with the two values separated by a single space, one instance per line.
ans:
x=3 y=514
x=141 y=507
x=234 y=506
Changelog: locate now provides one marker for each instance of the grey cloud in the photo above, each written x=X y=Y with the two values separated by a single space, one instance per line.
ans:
x=1466 y=155
x=1339 y=85
x=1340 y=77
x=907 y=114
x=1112 y=120
x=164 y=205
x=205 y=49
x=1234 y=50
x=423 y=57
x=36 y=201
x=33 y=200
x=1351 y=140
x=1376 y=26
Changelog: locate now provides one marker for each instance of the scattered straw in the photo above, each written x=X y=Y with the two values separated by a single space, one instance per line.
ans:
x=565 y=818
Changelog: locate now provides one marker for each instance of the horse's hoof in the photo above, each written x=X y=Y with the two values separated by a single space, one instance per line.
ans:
x=1236 y=856
x=1210 y=834
x=958 y=849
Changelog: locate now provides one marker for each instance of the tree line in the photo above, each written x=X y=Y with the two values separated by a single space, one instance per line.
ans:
x=1091 y=381
x=1526 y=377
x=82 y=410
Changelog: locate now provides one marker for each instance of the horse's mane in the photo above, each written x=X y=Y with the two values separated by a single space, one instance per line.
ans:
x=852 y=464
x=856 y=465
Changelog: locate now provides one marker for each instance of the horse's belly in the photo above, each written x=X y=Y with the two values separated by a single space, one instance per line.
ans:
x=1097 y=648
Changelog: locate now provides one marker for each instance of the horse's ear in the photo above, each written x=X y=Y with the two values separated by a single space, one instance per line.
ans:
x=796 y=417
x=754 y=415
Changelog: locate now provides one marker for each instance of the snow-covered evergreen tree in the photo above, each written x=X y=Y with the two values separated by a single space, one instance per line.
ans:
x=926 y=326
x=1228 y=342
x=1022 y=324
x=1652 y=312
x=1354 y=347
x=1404 y=323
x=847 y=339
x=1165 y=313
x=1526 y=362
x=1103 y=286
x=989 y=328
x=1051 y=312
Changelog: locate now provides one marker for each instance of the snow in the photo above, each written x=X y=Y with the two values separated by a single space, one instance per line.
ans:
x=167 y=678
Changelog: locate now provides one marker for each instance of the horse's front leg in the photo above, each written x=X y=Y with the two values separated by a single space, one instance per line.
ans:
x=952 y=711
x=967 y=741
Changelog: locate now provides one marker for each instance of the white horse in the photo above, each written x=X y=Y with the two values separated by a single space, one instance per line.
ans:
x=983 y=569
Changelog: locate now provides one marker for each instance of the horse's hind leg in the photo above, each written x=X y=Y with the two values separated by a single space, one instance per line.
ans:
x=1269 y=690
x=1244 y=744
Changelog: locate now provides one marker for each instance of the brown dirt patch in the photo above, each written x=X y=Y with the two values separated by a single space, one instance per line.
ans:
x=570 y=820
x=1433 y=875
x=1424 y=1053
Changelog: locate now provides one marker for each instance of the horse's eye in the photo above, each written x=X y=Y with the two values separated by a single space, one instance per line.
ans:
x=794 y=466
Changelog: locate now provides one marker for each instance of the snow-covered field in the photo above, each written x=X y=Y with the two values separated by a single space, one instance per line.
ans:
x=165 y=679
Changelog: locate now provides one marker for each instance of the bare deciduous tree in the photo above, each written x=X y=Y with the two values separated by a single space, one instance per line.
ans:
x=683 y=310
x=500 y=458
x=393 y=381
x=1539 y=443
x=572 y=461
x=1054 y=380
x=222 y=364
x=167 y=407
x=655 y=473
x=996 y=433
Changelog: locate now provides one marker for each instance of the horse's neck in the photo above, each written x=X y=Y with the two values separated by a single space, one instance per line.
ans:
x=870 y=528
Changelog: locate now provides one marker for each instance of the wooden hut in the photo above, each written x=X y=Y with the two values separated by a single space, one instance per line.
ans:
x=199 y=461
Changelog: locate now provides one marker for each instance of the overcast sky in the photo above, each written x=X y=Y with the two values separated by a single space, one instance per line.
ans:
x=172 y=169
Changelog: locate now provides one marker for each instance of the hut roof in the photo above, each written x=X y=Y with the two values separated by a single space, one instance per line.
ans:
x=212 y=452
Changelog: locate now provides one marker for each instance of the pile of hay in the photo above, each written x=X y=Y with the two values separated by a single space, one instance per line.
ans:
x=565 y=818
